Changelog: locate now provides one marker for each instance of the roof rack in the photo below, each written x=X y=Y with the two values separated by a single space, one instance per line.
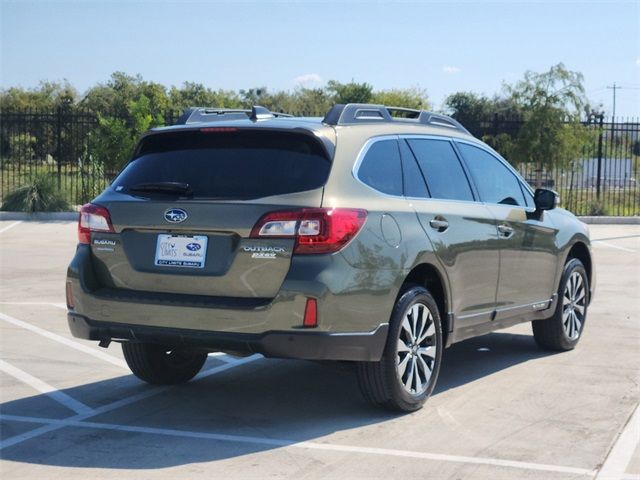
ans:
x=355 y=113
x=214 y=114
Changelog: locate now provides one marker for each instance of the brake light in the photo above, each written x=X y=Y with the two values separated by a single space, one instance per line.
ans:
x=93 y=218
x=218 y=129
x=316 y=230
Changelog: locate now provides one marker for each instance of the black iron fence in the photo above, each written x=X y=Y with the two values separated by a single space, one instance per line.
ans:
x=68 y=145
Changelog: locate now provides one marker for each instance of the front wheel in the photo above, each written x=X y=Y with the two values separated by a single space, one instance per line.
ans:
x=159 y=364
x=406 y=374
x=563 y=330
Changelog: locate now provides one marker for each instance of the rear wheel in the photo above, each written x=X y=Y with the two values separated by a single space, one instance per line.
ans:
x=406 y=374
x=562 y=331
x=159 y=364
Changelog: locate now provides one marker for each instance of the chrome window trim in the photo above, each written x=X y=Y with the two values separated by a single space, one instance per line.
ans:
x=367 y=145
x=360 y=157
x=500 y=158
x=475 y=143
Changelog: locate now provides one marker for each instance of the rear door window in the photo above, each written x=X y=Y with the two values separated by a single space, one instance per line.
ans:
x=441 y=168
x=414 y=183
x=380 y=167
x=234 y=164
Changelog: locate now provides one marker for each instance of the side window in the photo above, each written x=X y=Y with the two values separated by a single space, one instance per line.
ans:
x=414 y=183
x=495 y=182
x=441 y=169
x=380 y=167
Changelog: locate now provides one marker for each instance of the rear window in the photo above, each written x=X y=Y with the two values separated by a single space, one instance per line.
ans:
x=229 y=165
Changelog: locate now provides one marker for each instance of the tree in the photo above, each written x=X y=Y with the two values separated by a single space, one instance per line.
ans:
x=476 y=111
x=312 y=102
x=197 y=95
x=552 y=103
x=351 y=92
x=407 y=98
x=112 y=142
x=114 y=97
x=47 y=95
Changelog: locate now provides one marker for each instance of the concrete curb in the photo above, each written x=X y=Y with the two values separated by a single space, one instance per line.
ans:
x=73 y=216
x=40 y=216
x=611 y=220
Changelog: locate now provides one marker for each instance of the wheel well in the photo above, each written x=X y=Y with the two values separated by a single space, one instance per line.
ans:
x=581 y=252
x=427 y=276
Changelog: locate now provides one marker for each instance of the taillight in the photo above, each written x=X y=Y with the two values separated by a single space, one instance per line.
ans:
x=316 y=230
x=93 y=219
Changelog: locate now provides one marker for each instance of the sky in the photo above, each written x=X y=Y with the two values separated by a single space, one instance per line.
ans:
x=442 y=47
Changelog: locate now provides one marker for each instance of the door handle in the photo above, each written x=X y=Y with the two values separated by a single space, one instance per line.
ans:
x=439 y=224
x=505 y=230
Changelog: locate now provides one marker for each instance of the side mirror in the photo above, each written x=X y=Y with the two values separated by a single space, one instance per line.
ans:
x=545 y=199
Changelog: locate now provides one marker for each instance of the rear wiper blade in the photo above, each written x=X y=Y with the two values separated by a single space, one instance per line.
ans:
x=161 y=187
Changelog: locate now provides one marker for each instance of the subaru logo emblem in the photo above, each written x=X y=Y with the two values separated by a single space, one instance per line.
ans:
x=175 y=215
x=194 y=247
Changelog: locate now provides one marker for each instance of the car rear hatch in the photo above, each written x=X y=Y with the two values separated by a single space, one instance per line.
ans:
x=183 y=209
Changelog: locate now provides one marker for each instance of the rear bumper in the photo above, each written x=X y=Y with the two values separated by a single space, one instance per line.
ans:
x=308 y=345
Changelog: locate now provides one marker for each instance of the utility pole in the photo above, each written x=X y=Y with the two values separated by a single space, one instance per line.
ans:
x=614 y=88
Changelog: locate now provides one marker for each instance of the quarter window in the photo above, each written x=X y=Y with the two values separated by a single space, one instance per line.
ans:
x=380 y=167
x=441 y=168
x=495 y=182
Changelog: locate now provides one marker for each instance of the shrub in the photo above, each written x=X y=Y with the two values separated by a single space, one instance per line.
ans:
x=40 y=195
x=596 y=208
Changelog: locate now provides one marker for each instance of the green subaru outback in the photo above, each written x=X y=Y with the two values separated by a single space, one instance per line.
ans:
x=375 y=235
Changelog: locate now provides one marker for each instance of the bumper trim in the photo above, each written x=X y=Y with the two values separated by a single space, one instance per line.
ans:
x=303 y=344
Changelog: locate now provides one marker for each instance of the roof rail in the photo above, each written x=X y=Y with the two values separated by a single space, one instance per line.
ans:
x=215 y=114
x=355 y=113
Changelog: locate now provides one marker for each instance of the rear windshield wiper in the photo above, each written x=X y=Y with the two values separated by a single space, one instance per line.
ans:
x=161 y=187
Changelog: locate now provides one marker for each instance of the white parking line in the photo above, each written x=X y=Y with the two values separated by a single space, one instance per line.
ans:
x=65 y=341
x=2 y=230
x=123 y=402
x=274 y=442
x=42 y=387
x=57 y=305
x=620 y=455
x=611 y=245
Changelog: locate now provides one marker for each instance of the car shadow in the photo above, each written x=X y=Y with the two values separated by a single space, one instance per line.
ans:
x=294 y=401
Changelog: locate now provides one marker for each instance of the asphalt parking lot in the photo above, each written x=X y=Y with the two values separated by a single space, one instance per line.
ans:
x=502 y=408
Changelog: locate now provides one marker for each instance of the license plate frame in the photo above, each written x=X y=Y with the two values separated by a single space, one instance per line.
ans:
x=181 y=251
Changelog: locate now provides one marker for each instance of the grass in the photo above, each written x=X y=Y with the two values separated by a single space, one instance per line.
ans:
x=76 y=186
x=41 y=194
x=613 y=201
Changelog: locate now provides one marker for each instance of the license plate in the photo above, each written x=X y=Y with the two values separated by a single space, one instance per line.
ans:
x=181 y=251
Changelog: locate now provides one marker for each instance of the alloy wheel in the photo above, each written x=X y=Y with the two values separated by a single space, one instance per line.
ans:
x=574 y=301
x=416 y=350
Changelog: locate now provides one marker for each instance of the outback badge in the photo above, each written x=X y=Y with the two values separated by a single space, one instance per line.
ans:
x=175 y=215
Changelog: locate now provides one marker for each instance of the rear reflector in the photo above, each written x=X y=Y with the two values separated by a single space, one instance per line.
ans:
x=311 y=313
x=93 y=218
x=69 y=293
x=316 y=230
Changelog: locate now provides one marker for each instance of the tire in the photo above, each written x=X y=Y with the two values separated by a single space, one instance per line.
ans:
x=158 y=364
x=563 y=330
x=386 y=383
